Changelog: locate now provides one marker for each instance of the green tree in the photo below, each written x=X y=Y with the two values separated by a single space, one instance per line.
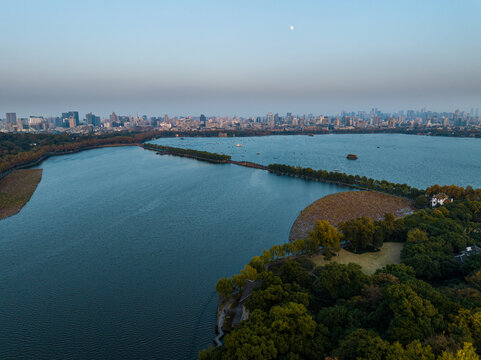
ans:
x=421 y=202
x=359 y=232
x=413 y=318
x=224 y=287
x=251 y=341
x=475 y=280
x=471 y=264
x=466 y=353
x=339 y=320
x=274 y=292
x=291 y=327
x=417 y=236
x=467 y=326
x=340 y=281
x=413 y=351
x=362 y=344
x=258 y=263
x=324 y=235
x=292 y=272
x=379 y=235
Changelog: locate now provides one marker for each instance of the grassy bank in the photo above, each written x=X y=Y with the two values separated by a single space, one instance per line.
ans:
x=346 y=206
x=16 y=189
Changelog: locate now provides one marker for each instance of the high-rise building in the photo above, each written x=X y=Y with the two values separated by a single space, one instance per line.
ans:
x=37 y=123
x=11 y=118
x=203 y=120
x=289 y=117
x=67 y=115
x=270 y=119
x=113 y=118
x=92 y=119
x=72 y=122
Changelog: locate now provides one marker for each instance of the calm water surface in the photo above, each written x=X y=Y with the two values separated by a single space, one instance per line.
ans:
x=117 y=254
x=418 y=161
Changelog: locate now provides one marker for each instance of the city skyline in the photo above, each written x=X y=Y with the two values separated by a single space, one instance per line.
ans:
x=473 y=111
x=72 y=122
x=250 y=57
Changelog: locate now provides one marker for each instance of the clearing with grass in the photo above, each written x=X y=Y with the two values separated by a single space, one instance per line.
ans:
x=390 y=253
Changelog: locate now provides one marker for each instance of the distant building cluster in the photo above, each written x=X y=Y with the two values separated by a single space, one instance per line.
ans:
x=375 y=119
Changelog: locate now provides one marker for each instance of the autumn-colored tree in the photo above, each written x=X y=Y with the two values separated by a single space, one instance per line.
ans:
x=359 y=232
x=466 y=353
x=324 y=235
x=224 y=287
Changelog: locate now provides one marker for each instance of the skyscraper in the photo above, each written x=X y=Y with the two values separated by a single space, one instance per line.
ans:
x=203 y=120
x=270 y=119
x=67 y=115
x=113 y=118
x=92 y=119
x=72 y=122
x=11 y=118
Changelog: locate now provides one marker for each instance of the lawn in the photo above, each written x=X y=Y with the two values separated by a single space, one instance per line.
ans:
x=390 y=253
x=16 y=189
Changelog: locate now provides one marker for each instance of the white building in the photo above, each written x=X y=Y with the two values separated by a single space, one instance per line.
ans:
x=440 y=199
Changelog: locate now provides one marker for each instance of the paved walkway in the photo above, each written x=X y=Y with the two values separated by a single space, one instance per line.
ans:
x=220 y=323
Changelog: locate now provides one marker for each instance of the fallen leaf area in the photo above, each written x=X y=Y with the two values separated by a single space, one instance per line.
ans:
x=348 y=205
x=16 y=190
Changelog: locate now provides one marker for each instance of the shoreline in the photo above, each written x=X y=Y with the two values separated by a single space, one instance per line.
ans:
x=51 y=154
x=8 y=212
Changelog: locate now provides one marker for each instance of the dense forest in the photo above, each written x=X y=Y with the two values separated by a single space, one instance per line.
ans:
x=428 y=307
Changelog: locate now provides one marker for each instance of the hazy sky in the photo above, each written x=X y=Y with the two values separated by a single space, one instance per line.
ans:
x=238 y=57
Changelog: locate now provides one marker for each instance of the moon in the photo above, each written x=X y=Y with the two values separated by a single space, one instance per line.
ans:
x=291 y=27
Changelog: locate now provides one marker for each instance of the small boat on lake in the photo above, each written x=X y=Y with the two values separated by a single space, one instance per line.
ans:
x=239 y=145
x=351 y=157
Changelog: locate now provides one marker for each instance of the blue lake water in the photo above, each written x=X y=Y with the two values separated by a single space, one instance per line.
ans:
x=418 y=161
x=117 y=254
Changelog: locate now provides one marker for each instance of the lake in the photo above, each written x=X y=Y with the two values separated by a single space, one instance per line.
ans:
x=117 y=254
x=418 y=161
